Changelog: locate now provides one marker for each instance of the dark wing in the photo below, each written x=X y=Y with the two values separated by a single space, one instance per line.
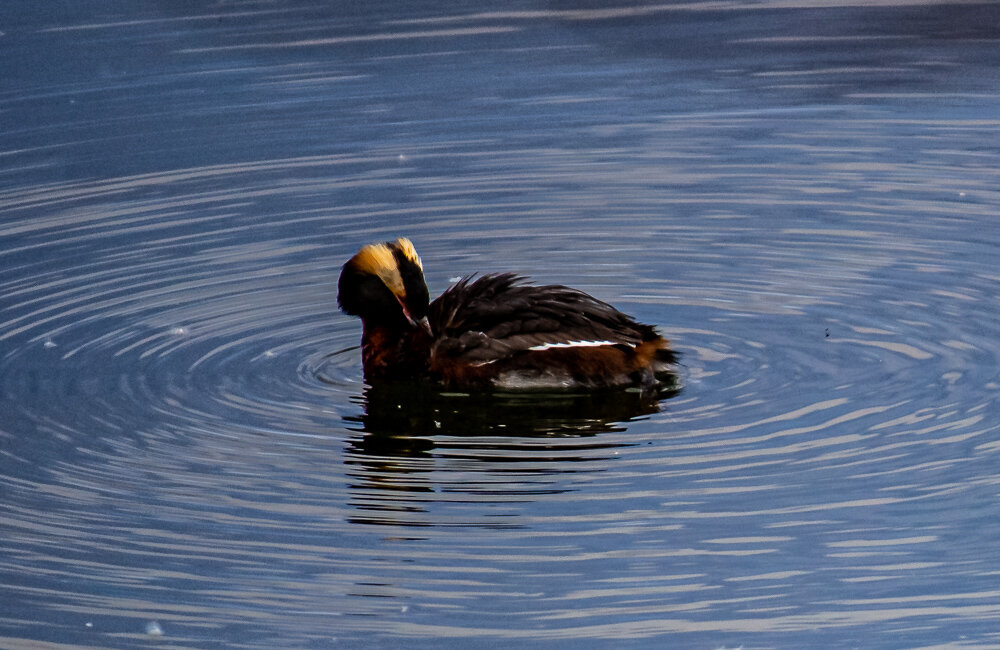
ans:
x=494 y=316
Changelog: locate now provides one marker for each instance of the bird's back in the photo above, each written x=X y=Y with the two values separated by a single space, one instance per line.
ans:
x=498 y=330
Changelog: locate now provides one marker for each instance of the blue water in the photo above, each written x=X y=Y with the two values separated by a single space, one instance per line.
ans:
x=803 y=198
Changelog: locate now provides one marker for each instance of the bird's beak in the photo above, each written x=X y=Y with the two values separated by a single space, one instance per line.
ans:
x=422 y=324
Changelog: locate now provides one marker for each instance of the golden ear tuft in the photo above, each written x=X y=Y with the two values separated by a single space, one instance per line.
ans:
x=405 y=247
x=374 y=258
x=377 y=259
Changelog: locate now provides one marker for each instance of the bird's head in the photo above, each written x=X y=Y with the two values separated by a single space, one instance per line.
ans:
x=384 y=285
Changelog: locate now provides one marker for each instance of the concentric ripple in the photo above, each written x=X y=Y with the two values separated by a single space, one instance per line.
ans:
x=185 y=395
x=189 y=454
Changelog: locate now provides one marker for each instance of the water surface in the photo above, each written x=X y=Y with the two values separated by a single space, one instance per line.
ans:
x=801 y=195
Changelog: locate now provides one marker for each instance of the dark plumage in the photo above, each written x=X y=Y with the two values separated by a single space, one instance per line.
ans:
x=492 y=331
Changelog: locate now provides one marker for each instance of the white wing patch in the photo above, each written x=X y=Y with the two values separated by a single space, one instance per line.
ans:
x=572 y=344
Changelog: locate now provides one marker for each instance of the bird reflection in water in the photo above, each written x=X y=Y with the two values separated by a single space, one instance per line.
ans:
x=418 y=445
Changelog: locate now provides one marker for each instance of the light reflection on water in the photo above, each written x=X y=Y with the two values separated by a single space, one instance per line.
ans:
x=807 y=211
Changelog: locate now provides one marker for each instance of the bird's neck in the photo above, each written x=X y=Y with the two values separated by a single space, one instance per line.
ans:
x=393 y=352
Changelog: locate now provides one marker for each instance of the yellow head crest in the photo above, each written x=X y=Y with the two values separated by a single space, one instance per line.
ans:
x=405 y=246
x=380 y=259
x=377 y=259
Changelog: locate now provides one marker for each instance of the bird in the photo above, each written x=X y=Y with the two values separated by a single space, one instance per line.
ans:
x=492 y=331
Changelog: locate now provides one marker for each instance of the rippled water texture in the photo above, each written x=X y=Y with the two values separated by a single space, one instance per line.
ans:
x=802 y=195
